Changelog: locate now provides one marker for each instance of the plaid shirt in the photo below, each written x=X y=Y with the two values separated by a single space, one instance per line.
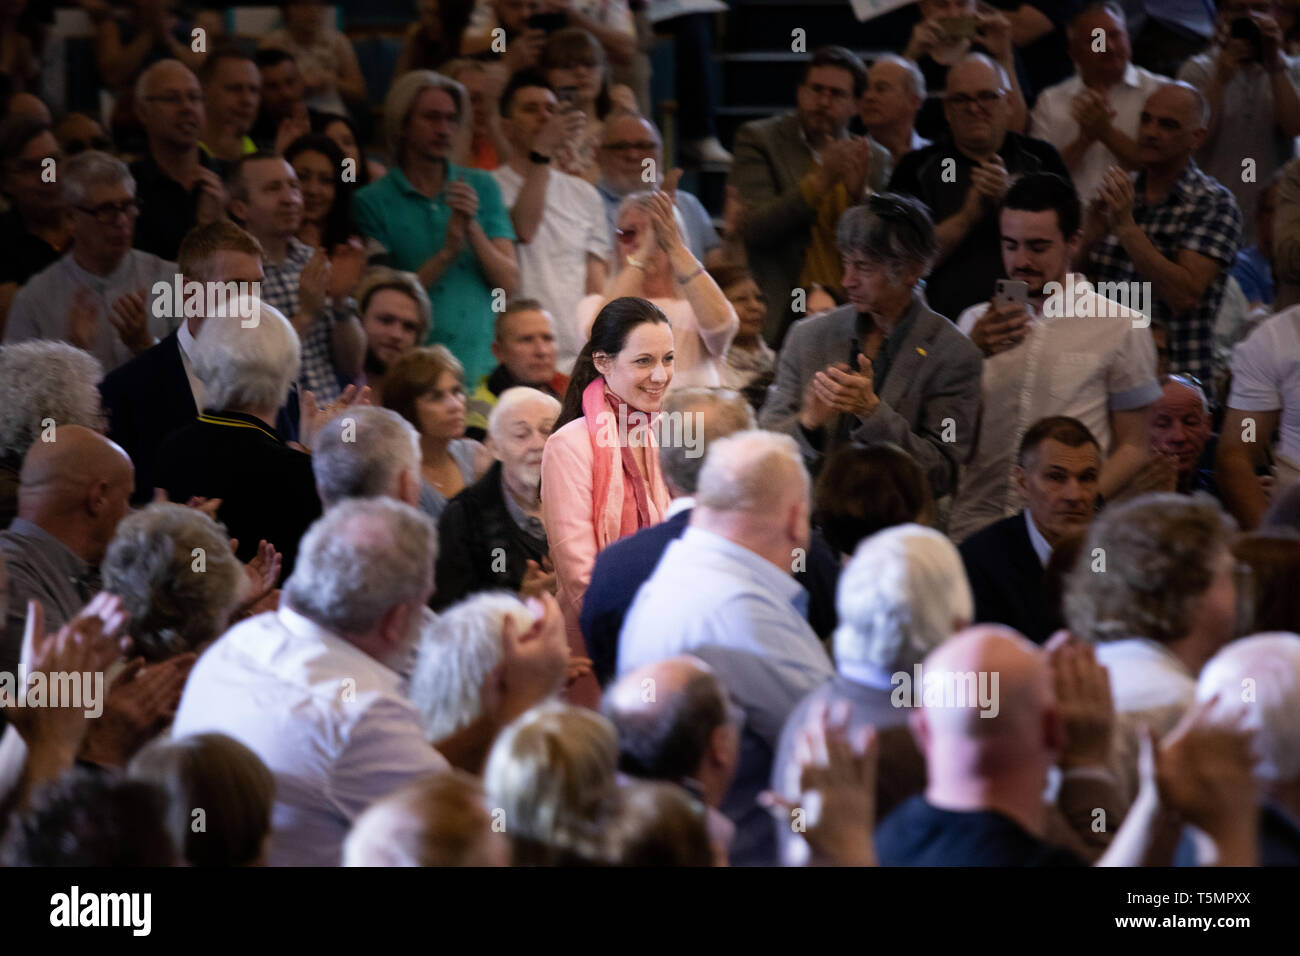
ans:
x=1199 y=214
x=280 y=289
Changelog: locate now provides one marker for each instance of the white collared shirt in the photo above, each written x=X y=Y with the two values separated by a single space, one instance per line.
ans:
x=1145 y=675
x=186 y=342
x=1036 y=539
x=331 y=723
x=678 y=505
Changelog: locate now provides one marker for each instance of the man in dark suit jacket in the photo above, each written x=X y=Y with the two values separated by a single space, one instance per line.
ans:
x=791 y=168
x=1058 y=470
x=917 y=379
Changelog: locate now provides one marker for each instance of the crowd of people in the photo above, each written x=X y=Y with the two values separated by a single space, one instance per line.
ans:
x=446 y=485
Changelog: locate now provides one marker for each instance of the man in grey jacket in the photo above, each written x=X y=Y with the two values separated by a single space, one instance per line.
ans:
x=885 y=367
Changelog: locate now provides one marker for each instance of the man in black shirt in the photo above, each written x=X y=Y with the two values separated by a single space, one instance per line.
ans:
x=963 y=179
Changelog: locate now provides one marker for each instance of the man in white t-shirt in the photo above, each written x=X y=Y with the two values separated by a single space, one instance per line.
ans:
x=1265 y=394
x=1069 y=352
x=559 y=219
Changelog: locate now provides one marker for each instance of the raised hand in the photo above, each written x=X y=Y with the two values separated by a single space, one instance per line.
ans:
x=1083 y=699
x=1000 y=328
x=141 y=702
x=129 y=318
x=313 y=284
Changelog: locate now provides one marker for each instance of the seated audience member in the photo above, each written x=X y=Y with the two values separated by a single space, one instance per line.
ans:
x=232 y=91
x=1165 y=604
x=443 y=820
x=1092 y=118
x=622 y=567
x=177 y=578
x=628 y=140
x=72 y=493
x=937 y=51
x=1069 y=352
x=888 y=106
x=327 y=193
x=440 y=220
x=1272 y=599
x=553 y=772
x=750 y=366
x=564 y=246
x=223 y=778
x=36 y=228
x=176 y=183
x=1057 y=471
x=1270 y=713
x=1254 y=106
x=653 y=263
x=1264 y=402
x=98 y=295
x=915 y=379
x=426 y=386
x=158 y=392
x=434 y=37
x=88 y=818
x=686 y=733
x=39 y=382
x=283 y=114
x=1253 y=269
x=330 y=71
x=396 y=317
x=305 y=284
x=603 y=481
x=901 y=595
x=724 y=592
x=524 y=346
x=77 y=132
x=661 y=825
x=796 y=173
x=480 y=665
x=984 y=154
x=986 y=771
x=367 y=453
x=343 y=131
x=315 y=689
x=1171 y=225
x=233 y=450
x=1181 y=428
x=863 y=490
x=491 y=533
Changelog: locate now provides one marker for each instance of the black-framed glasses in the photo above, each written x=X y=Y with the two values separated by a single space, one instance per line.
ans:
x=985 y=98
x=106 y=213
x=74 y=146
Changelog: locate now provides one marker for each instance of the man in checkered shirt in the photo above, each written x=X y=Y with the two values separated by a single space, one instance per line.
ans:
x=1171 y=225
x=301 y=281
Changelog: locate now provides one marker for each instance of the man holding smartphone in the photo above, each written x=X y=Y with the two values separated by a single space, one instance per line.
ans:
x=1093 y=361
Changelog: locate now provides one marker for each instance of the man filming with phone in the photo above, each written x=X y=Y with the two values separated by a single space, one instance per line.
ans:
x=1251 y=85
x=1052 y=347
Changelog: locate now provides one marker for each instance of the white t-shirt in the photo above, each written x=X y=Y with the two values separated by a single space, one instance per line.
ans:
x=553 y=267
x=1266 y=377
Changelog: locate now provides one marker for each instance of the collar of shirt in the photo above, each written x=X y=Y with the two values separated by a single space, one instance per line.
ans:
x=894 y=338
x=678 y=505
x=147 y=172
x=404 y=185
x=770 y=577
x=1182 y=189
x=229 y=419
x=348 y=654
x=526 y=522
x=1041 y=547
x=185 y=339
x=1135 y=650
x=58 y=554
x=99 y=284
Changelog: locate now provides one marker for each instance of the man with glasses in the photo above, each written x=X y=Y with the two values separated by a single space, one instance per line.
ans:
x=797 y=172
x=98 y=295
x=176 y=182
x=964 y=176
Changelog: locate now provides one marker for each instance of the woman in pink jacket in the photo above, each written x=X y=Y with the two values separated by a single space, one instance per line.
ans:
x=600 y=468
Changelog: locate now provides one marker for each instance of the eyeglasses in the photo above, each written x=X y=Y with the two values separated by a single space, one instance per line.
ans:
x=74 y=146
x=107 y=212
x=622 y=146
x=175 y=99
x=965 y=100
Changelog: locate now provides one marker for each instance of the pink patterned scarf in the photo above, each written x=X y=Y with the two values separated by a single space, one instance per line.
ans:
x=617 y=514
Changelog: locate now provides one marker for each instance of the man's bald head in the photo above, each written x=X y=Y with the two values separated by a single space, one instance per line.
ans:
x=1185 y=98
x=1172 y=126
x=1013 y=668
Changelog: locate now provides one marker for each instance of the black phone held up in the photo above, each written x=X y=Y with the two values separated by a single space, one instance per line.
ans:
x=1245 y=28
x=855 y=349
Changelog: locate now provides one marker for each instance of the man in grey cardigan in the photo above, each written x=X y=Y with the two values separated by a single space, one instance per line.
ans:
x=885 y=367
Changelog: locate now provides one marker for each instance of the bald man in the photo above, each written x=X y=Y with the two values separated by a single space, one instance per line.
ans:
x=25 y=104
x=176 y=182
x=74 y=489
x=674 y=724
x=723 y=591
x=1171 y=226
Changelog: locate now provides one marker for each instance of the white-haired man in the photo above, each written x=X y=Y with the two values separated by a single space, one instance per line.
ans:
x=367 y=453
x=887 y=108
x=903 y=593
x=98 y=296
x=724 y=592
x=492 y=532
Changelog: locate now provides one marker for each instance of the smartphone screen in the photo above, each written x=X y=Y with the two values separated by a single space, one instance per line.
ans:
x=1011 y=292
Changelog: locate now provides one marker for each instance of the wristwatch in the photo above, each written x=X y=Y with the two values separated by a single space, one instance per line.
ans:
x=535 y=157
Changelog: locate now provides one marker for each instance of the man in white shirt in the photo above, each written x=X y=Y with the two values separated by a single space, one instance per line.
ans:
x=1092 y=118
x=1068 y=351
x=1265 y=395
x=564 y=248
x=315 y=688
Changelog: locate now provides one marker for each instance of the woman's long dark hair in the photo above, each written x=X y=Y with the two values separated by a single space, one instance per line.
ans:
x=338 y=225
x=609 y=333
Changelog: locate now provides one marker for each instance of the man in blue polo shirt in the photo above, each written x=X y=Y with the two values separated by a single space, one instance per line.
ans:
x=444 y=222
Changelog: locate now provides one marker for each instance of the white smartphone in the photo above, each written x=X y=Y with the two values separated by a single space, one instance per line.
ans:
x=1008 y=292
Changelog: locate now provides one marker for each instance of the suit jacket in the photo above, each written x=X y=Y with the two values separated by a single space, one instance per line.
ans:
x=1006 y=579
x=771 y=156
x=625 y=565
x=931 y=392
